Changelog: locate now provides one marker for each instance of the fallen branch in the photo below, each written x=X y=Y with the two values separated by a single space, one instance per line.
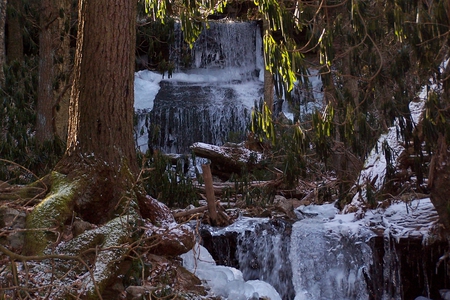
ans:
x=210 y=198
x=220 y=187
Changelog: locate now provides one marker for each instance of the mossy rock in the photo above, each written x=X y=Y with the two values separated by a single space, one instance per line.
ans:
x=50 y=215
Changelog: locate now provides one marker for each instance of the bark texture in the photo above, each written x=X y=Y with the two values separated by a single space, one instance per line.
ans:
x=101 y=106
x=64 y=67
x=48 y=37
x=15 y=34
x=2 y=39
x=100 y=143
x=439 y=179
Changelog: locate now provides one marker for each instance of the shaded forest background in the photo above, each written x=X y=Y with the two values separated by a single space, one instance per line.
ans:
x=373 y=58
x=57 y=116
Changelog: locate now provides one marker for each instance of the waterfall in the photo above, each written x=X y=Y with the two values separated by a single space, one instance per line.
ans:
x=329 y=262
x=210 y=95
x=259 y=248
x=264 y=254
x=209 y=100
x=392 y=253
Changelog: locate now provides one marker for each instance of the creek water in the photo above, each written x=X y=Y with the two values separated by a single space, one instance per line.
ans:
x=387 y=254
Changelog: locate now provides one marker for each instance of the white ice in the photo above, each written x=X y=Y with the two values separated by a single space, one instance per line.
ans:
x=226 y=282
x=329 y=250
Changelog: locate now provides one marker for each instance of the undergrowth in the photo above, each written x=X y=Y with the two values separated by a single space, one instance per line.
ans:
x=17 y=120
x=168 y=179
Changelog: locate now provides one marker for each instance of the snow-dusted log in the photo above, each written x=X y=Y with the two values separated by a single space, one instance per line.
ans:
x=228 y=159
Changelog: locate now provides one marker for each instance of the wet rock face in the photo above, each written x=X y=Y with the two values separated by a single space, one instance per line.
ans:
x=408 y=268
x=184 y=114
x=222 y=247
x=397 y=268
x=261 y=252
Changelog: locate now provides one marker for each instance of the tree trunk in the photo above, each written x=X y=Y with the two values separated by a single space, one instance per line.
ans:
x=100 y=134
x=54 y=70
x=210 y=198
x=64 y=68
x=48 y=37
x=439 y=178
x=2 y=40
x=15 y=34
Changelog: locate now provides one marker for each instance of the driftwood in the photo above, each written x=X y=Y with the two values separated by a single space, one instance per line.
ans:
x=226 y=160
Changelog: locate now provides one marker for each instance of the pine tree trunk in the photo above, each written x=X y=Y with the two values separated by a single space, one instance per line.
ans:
x=100 y=134
x=64 y=68
x=15 y=34
x=2 y=40
x=439 y=178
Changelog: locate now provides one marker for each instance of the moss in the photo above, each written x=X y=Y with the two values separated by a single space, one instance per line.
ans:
x=110 y=243
x=50 y=214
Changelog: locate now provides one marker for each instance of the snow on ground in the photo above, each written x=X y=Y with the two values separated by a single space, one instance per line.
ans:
x=414 y=219
x=375 y=166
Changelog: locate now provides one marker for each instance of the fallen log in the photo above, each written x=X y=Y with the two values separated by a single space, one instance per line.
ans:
x=222 y=219
x=231 y=186
x=226 y=160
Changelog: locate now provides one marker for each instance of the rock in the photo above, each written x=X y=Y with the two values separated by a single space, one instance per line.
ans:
x=171 y=239
x=169 y=272
x=296 y=203
x=445 y=294
x=80 y=226
x=154 y=210
x=168 y=237
x=285 y=206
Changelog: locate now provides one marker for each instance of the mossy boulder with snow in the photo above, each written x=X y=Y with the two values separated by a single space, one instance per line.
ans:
x=50 y=215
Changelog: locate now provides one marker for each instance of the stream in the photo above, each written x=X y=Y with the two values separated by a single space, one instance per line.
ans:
x=388 y=254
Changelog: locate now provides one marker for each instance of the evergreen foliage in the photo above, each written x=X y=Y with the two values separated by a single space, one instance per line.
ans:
x=168 y=182
x=154 y=40
x=18 y=115
x=373 y=57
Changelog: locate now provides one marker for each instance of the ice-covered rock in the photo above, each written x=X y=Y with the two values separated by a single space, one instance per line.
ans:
x=226 y=282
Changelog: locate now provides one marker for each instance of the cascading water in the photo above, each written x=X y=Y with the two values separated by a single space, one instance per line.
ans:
x=325 y=255
x=211 y=100
x=258 y=247
x=329 y=262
